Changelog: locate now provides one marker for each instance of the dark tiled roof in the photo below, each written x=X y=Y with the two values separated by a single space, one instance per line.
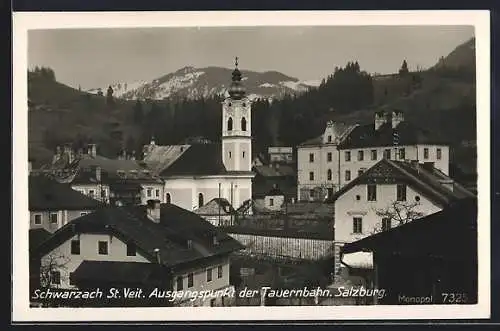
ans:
x=47 y=194
x=37 y=236
x=409 y=134
x=426 y=180
x=116 y=272
x=274 y=171
x=198 y=159
x=262 y=188
x=434 y=230
x=170 y=235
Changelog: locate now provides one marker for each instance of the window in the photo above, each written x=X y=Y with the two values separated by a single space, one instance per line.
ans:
x=358 y=197
x=168 y=198
x=209 y=275
x=230 y=124
x=417 y=198
x=329 y=174
x=347 y=155
x=212 y=302
x=38 y=219
x=229 y=154
x=243 y=154
x=219 y=271
x=157 y=193
x=243 y=124
x=190 y=279
x=53 y=218
x=348 y=175
x=438 y=153
x=374 y=154
x=55 y=277
x=91 y=193
x=311 y=175
x=371 y=192
x=360 y=172
x=180 y=283
x=426 y=153
x=75 y=247
x=71 y=279
x=329 y=139
x=329 y=157
x=386 y=224
x=131 y=249
x=200 y=200
x=311 y=157
x=271 y=202
x=361 y=155
x=311 y=193
x=103 y=248
x=401 y=192
x=149 y=192
x=387 y=154
x=357 y=225
x=83 y=213
x=401 y=153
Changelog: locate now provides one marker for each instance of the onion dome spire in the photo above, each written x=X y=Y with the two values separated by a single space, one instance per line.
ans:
x=236 y=90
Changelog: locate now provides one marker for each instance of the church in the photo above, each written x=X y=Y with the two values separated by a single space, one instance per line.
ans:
x=196 y=173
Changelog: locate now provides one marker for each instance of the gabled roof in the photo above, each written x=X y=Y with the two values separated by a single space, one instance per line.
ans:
x=409 y=134
x=158 y=158
x=170 y=235
x=216 y=206
x=198 y=159
x=434 y=230
x=426 y=180
x=47 y=194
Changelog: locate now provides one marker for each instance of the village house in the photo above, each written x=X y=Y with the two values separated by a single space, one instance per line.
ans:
x=218 y=212
x=124 y=180
x=343 y=152
x=198 y=172
x=280 y=154
x=144 y=246
x=389 y=194
x=53 y=204
x=416 y=273
x=274 y=176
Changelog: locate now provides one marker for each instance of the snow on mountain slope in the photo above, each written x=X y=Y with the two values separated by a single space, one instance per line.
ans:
x=193 y=83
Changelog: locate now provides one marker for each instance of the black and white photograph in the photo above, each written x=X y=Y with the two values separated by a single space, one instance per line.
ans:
x=301 y=165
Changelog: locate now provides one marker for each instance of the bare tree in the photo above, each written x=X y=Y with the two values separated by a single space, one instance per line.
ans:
x=398 y=212
x=51 y=263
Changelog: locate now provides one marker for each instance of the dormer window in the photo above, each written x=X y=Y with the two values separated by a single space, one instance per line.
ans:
x=329 y=139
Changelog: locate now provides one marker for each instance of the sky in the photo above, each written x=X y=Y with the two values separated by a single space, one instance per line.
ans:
x=98 y=57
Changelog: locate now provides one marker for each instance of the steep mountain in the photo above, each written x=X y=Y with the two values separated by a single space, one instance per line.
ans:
x=463 y=56
x=194 y=83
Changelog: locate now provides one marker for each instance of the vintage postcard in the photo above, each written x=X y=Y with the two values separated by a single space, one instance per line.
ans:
x=231 y=166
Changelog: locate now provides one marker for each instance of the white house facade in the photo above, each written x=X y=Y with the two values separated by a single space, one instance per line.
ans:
x=332 y=160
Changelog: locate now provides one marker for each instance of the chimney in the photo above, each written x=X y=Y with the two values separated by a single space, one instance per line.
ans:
x=157 y=255
x=92 y=150
x=153 y=210
x=380 y=119
x=397 y=117
x=98 y=173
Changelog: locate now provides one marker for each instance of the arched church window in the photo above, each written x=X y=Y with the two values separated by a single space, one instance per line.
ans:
x=200 y=200
x=230 y=124
x=168 y=198
x=243 y=124
x=329 y=174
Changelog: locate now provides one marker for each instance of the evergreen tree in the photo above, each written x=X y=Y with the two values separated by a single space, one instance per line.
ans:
x=109 y=96
x=138 y=112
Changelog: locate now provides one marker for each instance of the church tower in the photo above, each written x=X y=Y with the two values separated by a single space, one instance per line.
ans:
x=237 y=126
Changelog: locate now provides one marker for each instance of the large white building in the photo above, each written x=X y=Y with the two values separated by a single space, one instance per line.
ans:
x=197 y=173
x=391 y=193
x=332 y=160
